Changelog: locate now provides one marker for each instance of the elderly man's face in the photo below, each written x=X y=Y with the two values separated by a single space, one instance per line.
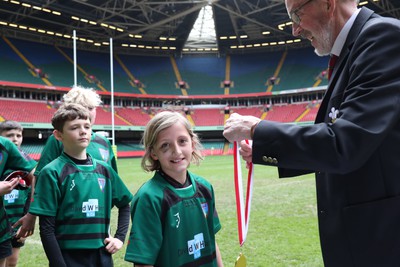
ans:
x=313 y=23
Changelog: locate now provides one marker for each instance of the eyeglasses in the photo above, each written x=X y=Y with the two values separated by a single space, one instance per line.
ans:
x=294 y=17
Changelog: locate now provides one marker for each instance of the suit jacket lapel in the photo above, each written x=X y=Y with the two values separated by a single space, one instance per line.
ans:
x=361 y=19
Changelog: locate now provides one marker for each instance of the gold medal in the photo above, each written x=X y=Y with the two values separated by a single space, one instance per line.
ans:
x=240 y=261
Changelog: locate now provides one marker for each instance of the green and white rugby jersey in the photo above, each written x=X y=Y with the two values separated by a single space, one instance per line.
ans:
x=81 y=198
x=173 y=227
x=10 y=159
x=15 y=201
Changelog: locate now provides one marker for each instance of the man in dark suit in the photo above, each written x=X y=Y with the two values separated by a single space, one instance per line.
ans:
x=354 y=145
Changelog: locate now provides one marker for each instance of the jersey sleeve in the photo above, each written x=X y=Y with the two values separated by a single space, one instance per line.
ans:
x=27 y=158
x=113 y=160
x=121 y=196
x=100 y=148
x=47 y=194
x=217 y=223
x=16 y=160
x=51 y=151
x=146 y=232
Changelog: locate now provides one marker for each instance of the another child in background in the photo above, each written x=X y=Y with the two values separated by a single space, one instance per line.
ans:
x=74 y=195
x=174 y=220
x=11 y=159
x=16 y=202
x=99 y=147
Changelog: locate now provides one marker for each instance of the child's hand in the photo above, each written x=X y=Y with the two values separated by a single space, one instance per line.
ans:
x=7 y=186
x=113 y=244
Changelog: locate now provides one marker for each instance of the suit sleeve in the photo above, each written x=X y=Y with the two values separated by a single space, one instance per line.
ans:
x=369 y=111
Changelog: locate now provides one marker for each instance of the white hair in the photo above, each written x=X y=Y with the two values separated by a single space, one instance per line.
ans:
x=86 y=97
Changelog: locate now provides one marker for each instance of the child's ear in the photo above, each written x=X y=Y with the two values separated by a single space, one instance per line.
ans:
x=57 y=135
x=153 y=155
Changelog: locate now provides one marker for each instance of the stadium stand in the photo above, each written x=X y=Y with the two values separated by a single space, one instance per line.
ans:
x=203 y=74
x=12 y=67
x=208 y=117
x=26 y=111
x=156 y=73
x=48 y=58
x=251 y=111
x=311 y=114
x=286 y=113
x=249 y=73
x=103 y=117
x=155 y=77
x=212 y=147
x=136 y=116
x=300 y=70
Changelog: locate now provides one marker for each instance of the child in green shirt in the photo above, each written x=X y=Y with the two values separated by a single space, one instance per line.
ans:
x=174 y=220
x=74 y=195
x=16 y=202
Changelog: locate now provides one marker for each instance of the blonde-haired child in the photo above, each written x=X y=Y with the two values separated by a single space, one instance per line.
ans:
x=174 y=220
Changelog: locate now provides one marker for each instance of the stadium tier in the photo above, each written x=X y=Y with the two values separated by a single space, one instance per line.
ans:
x=250 y=111
x=25 y=111
x=208 y=117
x=135 y=116
x=286 y=113
x=30 y=111
x=206 y=89
x=203 y=74
x=160 y=75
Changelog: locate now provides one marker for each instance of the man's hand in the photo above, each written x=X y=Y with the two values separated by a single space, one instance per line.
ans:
x=7 y=186
x=246 y=151
x=113 y=244
x=27 y=223
x=238 y=127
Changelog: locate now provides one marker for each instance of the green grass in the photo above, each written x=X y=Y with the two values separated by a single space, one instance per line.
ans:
x=283 y=224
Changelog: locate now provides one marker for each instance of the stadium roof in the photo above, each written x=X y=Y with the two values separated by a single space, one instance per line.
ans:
x=158 y=27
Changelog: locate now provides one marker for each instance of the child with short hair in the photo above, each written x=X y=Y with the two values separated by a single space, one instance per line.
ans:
x=174 y=220
x=99 y=147
x=74 y=195
x=11 y=158
x=17 y=201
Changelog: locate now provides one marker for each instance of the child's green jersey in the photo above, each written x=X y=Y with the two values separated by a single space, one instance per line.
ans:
x=10 y=159
x=80 y=197
x=15 y=201
x=173 y=227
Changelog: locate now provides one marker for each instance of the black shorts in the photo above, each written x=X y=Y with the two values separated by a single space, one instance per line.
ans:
x=5 y=249
x=87 y=257
x=16 y=244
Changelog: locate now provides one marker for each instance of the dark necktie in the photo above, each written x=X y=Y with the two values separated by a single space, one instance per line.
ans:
x=331 y=65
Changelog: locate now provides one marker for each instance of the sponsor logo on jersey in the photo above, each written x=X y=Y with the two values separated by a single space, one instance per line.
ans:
x=204 y=207
x=102 y=183
x=11 y=197
x=104 y=154
x=196 y=245
x=90 y=207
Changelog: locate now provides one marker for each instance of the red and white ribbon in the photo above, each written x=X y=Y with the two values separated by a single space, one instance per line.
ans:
x=243 y=212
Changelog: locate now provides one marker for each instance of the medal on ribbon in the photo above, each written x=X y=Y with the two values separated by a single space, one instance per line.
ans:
x=240 y=261
x=242 y=208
